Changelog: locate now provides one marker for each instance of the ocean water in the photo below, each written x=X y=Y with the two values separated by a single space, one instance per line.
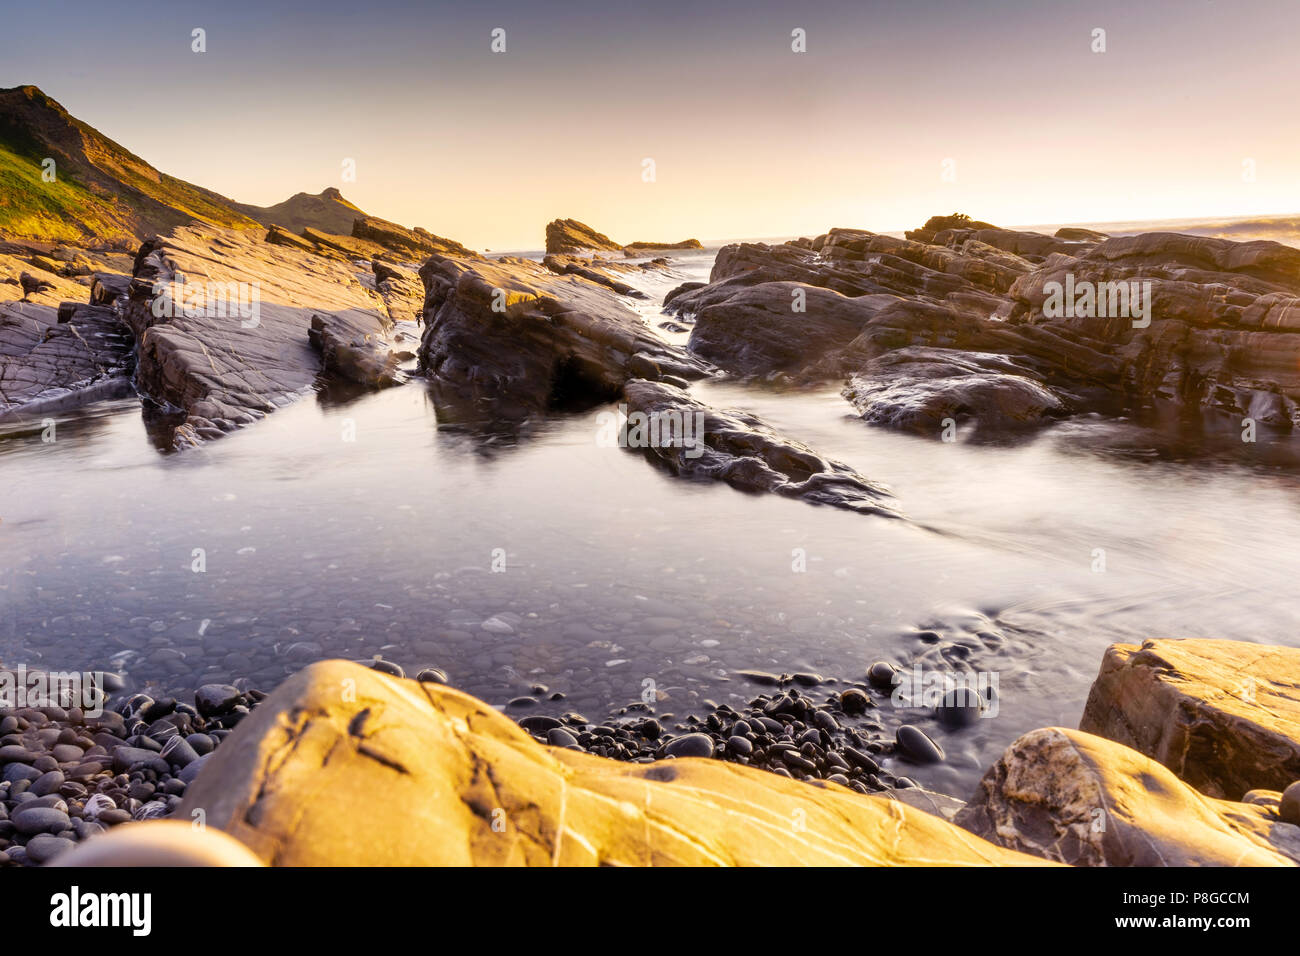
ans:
x=553 y=560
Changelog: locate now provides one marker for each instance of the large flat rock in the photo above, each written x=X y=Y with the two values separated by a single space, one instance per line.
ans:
x=224 y=370
x=1224 y=716
x=343 y=765
x=1075 y=798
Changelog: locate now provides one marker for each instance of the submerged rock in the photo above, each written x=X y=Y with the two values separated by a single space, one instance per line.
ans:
x=1224 y=716
x=744 y=452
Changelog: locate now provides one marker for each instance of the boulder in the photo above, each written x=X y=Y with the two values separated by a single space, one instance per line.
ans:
x=1071 y=797
x=511 y=338
x=343 y=765
x=1224 y=716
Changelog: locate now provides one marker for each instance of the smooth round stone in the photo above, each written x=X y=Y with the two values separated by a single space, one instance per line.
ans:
x=67 y=753
x=97 y=804
x=825 y=721
x=740 y=745
x=559 y=737
x=113 y=683
x=114 y=817
x=881 y=674
x=1289 y=808
x=960 y=707
x=522 y=702
x=865 y=761
x=539 y=723
x=914 y=745
x=854 y=701
x=42 y=849
x=384 y=667
x=650 y=729
x=431 y=675
x=19 y=771
x=14 y=753
x=202 y=743
x=33 y=820
x=47 y=783
x=690 y=745
x=178 y=752
x=805 y=679
x=213 y=700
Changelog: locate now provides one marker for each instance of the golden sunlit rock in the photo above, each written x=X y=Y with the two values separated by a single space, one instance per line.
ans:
x=343 y=765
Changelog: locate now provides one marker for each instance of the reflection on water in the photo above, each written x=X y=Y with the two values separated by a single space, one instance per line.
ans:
x=614 y=573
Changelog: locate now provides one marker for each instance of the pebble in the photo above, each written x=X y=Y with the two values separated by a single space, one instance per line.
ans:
x=959 y=708
x=881 y=675
x=690 y=745
x=854 y=701
x=33 y=820
x=914 y=745
x=43 y=848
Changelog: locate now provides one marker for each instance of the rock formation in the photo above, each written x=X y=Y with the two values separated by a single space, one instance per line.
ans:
x=231 y=343
x=569 y=237
x=1224 y=716
x=1071 y=797
x=963 y=320
x=511 y=337
x=395 y=772
x=744 y=452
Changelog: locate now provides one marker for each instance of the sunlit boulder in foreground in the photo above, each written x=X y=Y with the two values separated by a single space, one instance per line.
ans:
x=1224 y=716
x=343 y=765
x=1075 y=798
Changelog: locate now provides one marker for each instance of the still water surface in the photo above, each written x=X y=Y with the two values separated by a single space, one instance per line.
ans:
x=616 y=573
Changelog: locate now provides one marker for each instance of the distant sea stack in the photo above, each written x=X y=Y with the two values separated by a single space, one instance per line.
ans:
x=569 y=237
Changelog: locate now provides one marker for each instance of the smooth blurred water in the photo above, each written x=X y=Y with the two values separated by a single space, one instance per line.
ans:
x=616 y=573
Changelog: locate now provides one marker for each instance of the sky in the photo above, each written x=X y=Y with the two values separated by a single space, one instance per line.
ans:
x=896 y=111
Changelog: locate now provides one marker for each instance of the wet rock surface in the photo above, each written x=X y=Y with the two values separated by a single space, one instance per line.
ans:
x=744 y=452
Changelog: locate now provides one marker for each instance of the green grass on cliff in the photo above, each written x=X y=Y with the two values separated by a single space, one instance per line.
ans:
x=59 y=211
